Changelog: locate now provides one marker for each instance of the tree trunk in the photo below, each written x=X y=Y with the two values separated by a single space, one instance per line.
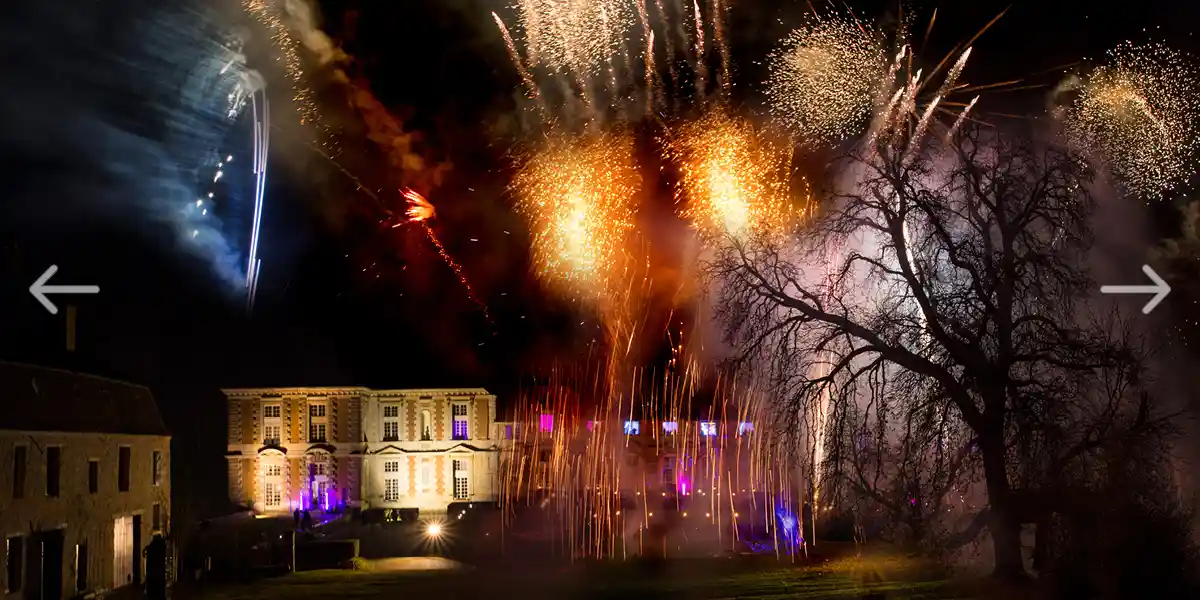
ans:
x=1003 y=523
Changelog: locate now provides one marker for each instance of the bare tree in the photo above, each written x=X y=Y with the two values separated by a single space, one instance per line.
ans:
x=940 y=313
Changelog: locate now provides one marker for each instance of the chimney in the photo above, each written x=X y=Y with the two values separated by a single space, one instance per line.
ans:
x=70 y=328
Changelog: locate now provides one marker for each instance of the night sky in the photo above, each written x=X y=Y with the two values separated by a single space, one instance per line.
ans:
x=344 y=299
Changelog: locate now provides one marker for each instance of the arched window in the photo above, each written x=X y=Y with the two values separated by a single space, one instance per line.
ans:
x=426 y=426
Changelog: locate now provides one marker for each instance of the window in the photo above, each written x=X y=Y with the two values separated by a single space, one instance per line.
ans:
x=547 y=423
x=272 y=429
x=156 y=466
x=156 y=517
x=462 y=489
x=14 y=561
x=53 y=470
x=668 y=478
x=459 y=412
x=18 y=481
x=316 y=432
x=632 y=427
x=391 y=466
x=391 y=490
x=93 y=476
x=670 y=427
x=317 y=422
x=81 y=567
x=274 y=494
x=123 y=469
x=426 y=426
x=391 y=422
x=745 y=427
x=274 y=470
x=508 y=432
x=708 y=428
x=316 y=468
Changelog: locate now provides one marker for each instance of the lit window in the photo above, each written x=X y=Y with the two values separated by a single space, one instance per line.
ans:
x=156 y=467
x=274 y=495
x=745 y=427
x=547 y=422
x=316 y=410
x=670 y=427
x=274 y=471
x=459 y=429
x=391 y=422
x=316 y=432
x=708 y=428
x=391 y=466
x=271 y=411
x=462 y=489
x=508 y=432
x=632 y=427
x=271 y=435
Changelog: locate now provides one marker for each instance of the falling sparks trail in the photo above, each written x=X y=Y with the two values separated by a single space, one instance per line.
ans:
x=420 y=211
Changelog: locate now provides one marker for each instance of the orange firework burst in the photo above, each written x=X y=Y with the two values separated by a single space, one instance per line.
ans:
x=734 y=182
x=579 y=199
x=419 y=209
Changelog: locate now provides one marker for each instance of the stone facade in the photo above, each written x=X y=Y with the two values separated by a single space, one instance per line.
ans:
x=379 y=449
x=85 y=482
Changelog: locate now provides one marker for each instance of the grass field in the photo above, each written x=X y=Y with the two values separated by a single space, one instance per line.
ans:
x=709 y=579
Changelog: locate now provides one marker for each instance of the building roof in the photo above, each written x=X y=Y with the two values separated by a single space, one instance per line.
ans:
x=351 y=390
x=45 y=399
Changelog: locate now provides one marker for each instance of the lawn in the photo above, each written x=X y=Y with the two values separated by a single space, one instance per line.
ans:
x=708 y=579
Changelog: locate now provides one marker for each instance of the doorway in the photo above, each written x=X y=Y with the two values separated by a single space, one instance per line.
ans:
x=137 y=549
x=43 y=565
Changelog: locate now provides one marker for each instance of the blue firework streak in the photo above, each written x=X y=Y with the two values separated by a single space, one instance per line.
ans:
x=155 y=115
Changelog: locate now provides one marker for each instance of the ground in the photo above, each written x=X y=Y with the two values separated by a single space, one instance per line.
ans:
x=707 y=579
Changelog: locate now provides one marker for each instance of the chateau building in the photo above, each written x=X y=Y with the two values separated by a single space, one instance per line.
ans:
x=332 y=448
x=85 y=473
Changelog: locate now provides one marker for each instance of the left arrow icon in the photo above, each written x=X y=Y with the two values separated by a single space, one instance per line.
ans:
x=39 y=289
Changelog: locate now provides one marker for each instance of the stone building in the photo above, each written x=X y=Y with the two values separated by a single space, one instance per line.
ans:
x=86 y=481
x=330 y=448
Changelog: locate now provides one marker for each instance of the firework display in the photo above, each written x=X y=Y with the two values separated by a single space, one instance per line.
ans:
x=620 y=459
x=579 y=198
x=827 y=78
x=733 y=181
x=1138 y=113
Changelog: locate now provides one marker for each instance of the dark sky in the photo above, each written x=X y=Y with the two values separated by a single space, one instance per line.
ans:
x=345 y=300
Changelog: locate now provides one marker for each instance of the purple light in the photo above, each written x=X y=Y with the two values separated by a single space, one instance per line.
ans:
x=683 y=488
x=460 y=430
x=547 y=423
x=591 y=425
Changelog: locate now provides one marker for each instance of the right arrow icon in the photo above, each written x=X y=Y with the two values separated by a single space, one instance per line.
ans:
x=1160 y=289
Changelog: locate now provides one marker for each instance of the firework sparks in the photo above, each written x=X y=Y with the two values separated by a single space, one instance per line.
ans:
x=579 y=199
x=289 y=48
x=826 y=78
x=578 y=37
x=420 y=211
x=1138 y=112
x=733 y=181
